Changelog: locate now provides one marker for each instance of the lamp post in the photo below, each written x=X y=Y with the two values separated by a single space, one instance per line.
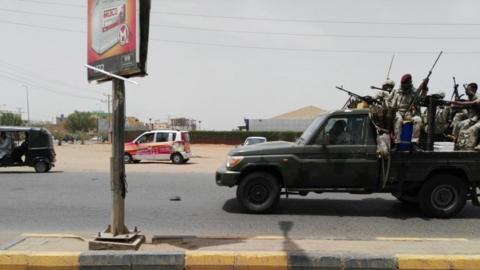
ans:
x=28 y=103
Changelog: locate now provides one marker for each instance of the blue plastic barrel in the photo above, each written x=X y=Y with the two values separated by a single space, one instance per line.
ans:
x=406 y=137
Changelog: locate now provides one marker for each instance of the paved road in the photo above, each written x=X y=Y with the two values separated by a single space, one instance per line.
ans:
x=80 y=203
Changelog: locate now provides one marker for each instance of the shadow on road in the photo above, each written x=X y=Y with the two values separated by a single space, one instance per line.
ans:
x=27 y=172
x=190 y=242
x=161 y=162
x=369 y=207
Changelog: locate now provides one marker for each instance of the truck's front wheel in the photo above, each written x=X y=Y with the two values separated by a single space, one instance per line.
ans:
x=443 y=196
x=258 y=192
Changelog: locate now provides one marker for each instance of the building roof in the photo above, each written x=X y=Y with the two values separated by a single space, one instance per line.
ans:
x=308 y=112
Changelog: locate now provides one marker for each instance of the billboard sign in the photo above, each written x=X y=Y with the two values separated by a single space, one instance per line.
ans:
x=115 y=38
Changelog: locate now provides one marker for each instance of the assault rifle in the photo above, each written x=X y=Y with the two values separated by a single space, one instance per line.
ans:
x=381 y=89
x=388 y=78
x=423 y=88
x=455 y=95
x=368 y=99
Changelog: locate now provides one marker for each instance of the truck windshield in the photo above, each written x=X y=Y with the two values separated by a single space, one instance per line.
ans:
x=310 y=131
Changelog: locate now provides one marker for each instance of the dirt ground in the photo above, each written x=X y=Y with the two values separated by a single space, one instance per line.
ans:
x=95 y=158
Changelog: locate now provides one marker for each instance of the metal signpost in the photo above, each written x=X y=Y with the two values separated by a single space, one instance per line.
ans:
x=117 y=50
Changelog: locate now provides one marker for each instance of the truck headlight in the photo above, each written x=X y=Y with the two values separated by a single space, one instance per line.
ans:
x=233 y=161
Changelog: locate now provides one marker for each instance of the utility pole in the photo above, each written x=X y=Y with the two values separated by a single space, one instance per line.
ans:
x=109 y=116
x=117 y=165
x=28 y=103
x=20 y=111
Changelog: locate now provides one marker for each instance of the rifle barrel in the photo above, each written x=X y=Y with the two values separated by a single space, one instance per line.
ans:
x=434 y=64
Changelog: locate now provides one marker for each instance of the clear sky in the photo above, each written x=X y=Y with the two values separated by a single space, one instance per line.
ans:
x=275 y=55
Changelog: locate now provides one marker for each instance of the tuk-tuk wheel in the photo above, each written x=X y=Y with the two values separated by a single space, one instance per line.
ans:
x=42 y=167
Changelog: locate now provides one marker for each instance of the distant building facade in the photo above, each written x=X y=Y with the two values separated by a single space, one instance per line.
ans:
x=180 y=123
x=297 y=120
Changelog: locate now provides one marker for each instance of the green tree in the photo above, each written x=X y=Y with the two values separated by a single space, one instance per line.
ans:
x=81 y=122
x=59 y=134
x=10 y=119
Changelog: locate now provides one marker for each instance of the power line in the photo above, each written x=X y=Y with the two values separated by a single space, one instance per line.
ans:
x=247 y=32
x=276 y=19
x=309 y=50
x=52 y=3
x=306 y=35
x=257 y=32
x=256 y=47
x=315 y=20
x=231 y=31
x=36 y=86
x=27 y=80
x=41 y=14
x=38 y=75
x=42 y=27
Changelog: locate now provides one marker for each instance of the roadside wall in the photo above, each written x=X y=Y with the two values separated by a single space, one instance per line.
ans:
x=228 y=137
x=297 y=125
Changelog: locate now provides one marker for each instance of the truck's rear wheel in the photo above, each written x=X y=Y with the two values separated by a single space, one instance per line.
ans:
x=443 y=196
x=258 y=192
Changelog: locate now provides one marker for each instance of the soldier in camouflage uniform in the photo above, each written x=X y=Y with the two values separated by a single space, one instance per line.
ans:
x=401 y=101
x=443 y=116
x=386 y=94
x=468 y=122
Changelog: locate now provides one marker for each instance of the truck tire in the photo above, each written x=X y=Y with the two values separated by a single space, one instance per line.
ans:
x=258 y=192
x=443 y=196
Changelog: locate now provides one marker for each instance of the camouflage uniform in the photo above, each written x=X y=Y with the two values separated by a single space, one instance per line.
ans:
x=465 y=118
x=401 y=101
x=386 y=95
x=467 y=131
x=442 y=117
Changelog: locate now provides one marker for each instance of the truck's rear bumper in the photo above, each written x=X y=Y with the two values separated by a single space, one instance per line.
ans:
x=224 y=177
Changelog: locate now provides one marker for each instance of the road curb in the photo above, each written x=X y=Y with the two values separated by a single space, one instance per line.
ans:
x=438 y=262
x=228 y=260
x=20 y=260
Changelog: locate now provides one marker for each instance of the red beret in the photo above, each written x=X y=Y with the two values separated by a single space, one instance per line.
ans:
x=407 y=78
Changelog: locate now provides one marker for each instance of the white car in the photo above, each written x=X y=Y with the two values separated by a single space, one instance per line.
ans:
x=171 y=145
x=254 y=140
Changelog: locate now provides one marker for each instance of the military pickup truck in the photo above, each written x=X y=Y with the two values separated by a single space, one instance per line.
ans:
x=338 y=153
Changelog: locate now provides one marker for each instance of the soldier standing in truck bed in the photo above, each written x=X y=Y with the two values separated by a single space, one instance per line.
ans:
x=408 y=109
x=468 y=122
x=386 y=94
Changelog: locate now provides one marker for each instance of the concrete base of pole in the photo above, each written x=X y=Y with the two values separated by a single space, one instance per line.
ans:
x=127 y=243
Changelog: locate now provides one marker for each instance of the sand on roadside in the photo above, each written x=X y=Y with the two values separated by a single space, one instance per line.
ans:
x=95 y=158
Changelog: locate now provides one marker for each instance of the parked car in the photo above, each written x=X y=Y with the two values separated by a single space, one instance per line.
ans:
x=31 y=147
x=158 y=145
x=254 y=140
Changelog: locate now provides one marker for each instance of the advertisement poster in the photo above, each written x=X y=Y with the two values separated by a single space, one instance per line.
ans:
x=113 y=37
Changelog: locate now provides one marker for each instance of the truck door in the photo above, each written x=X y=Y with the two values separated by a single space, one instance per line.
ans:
x=338 y=156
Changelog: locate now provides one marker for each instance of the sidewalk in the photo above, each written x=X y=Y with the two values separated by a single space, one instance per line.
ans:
x=190 y=252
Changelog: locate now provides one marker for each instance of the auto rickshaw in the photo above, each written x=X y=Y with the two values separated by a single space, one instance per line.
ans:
x=30 y=146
